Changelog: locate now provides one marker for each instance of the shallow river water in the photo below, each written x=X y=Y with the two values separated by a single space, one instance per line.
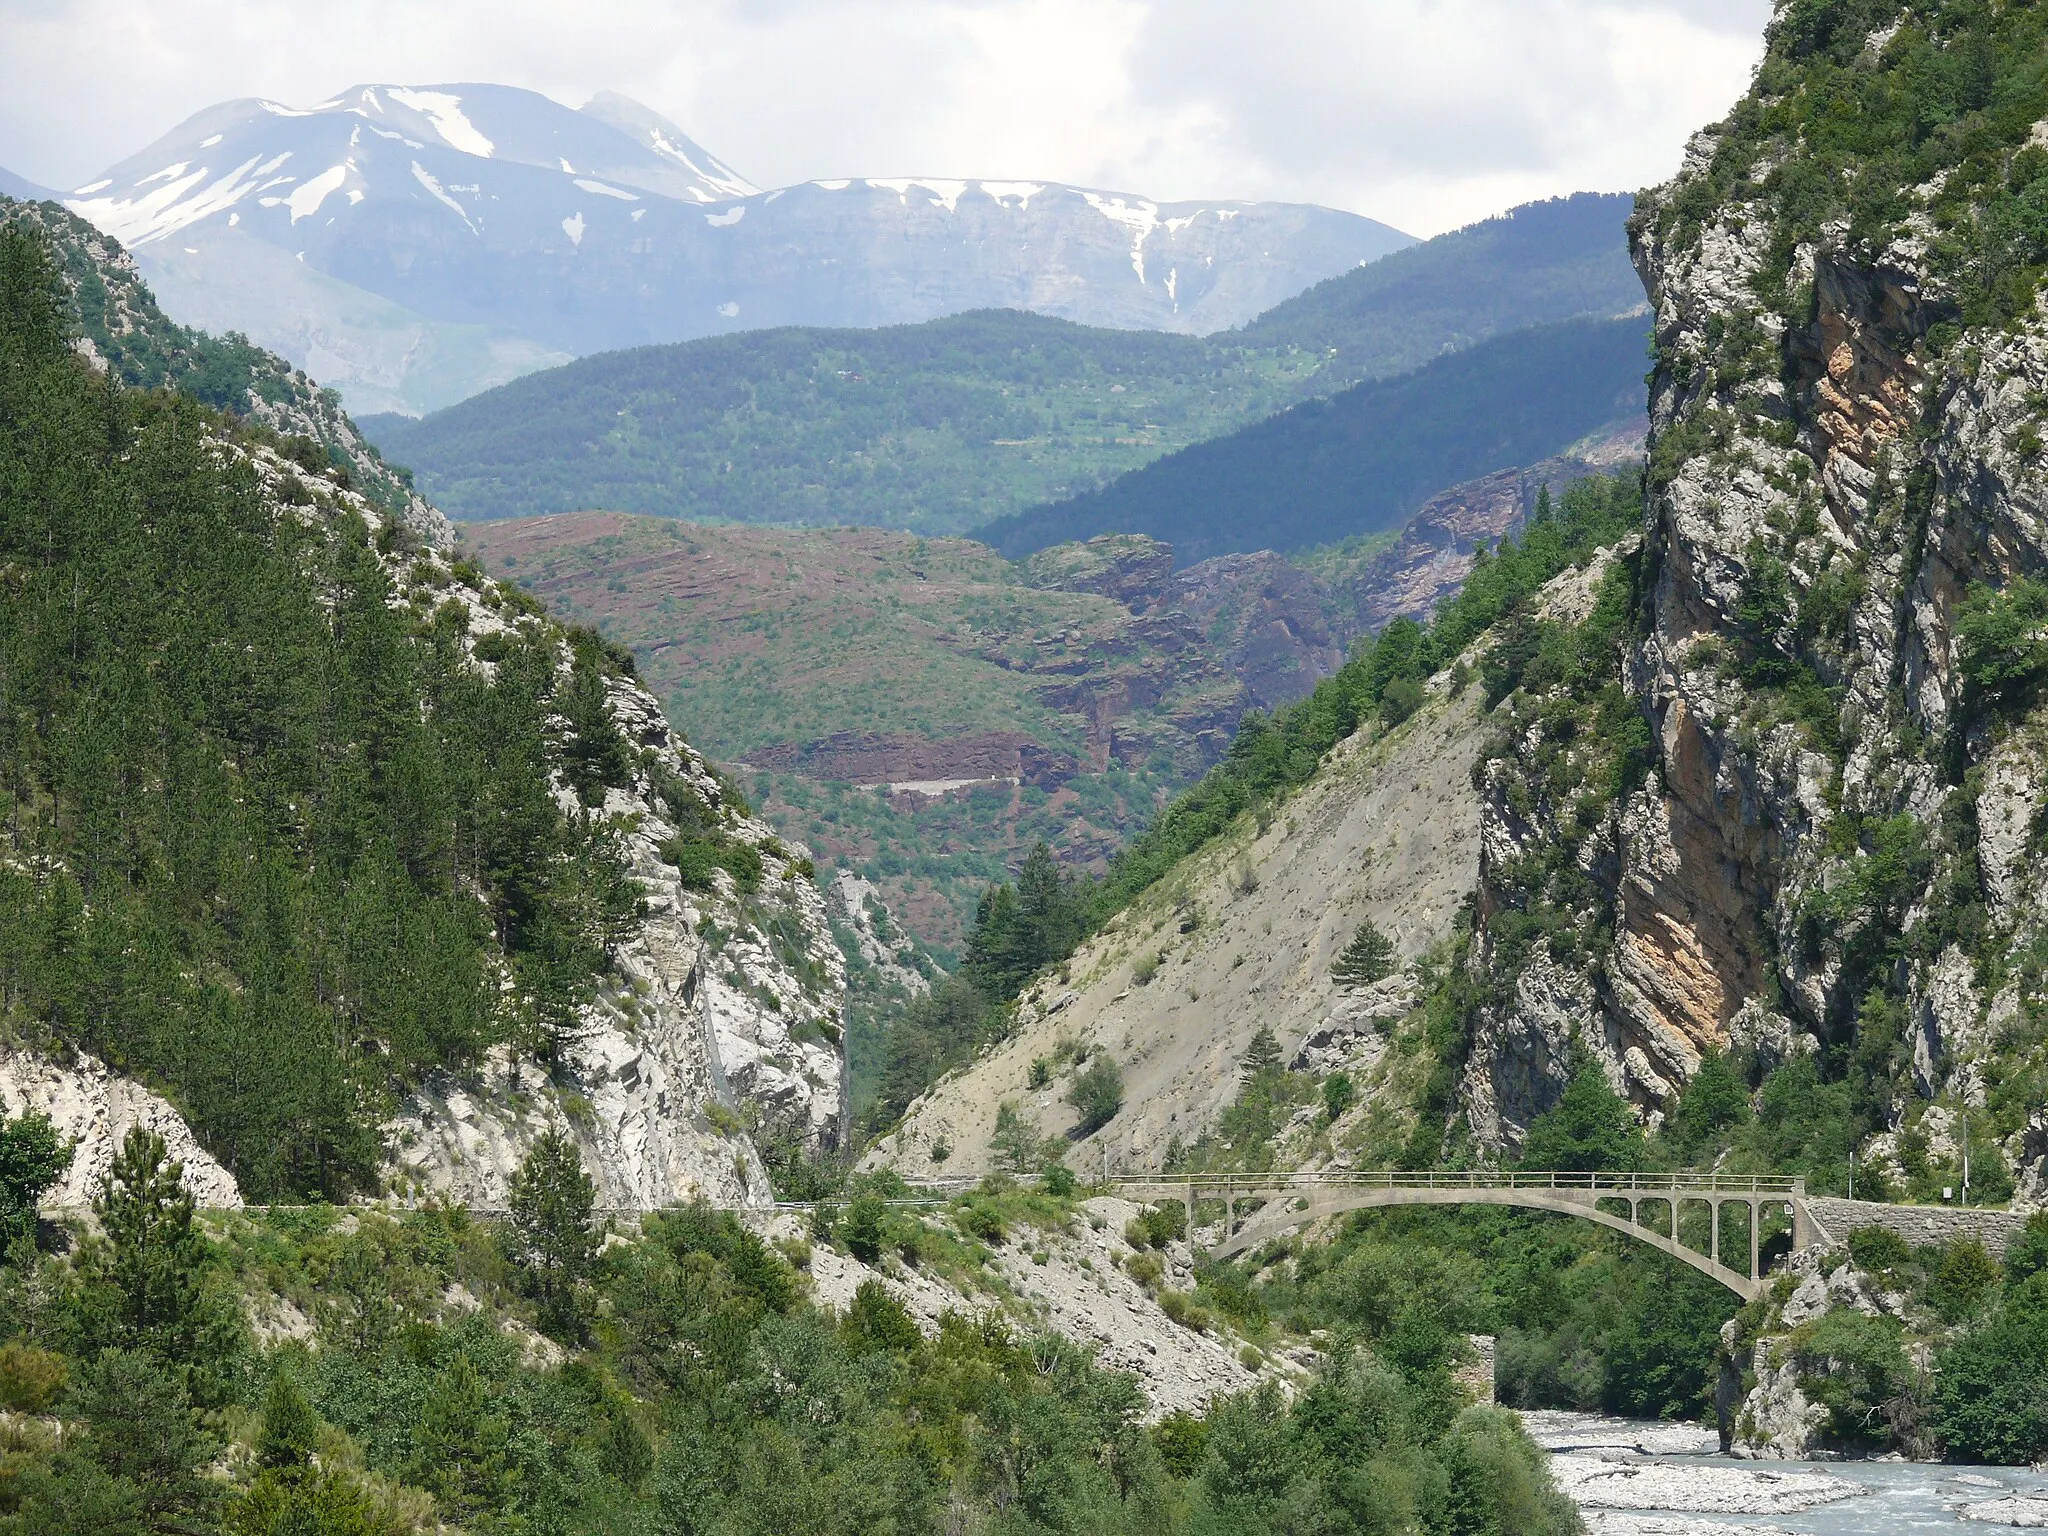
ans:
x=1642 y=1479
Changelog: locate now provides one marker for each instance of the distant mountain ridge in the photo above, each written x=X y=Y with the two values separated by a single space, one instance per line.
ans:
x=21 y=188
x=1550 y=260
x=948 y=425
x=1361 y=462
x=420 y=244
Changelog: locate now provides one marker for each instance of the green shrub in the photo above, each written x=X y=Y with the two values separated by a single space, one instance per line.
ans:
x=864 y=1231
x=31 y=1379
x=1097 y=1093
x=1855 y=1367
x=1179 y=1307
x=1990 y=1400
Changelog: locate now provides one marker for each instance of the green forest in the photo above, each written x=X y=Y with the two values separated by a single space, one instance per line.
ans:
x=672 y=1381
x=1361 y=462
x=269 y=844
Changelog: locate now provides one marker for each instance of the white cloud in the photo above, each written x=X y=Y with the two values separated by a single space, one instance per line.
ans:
x=1426 y=113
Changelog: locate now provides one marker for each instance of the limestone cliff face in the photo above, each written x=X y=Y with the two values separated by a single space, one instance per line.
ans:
x=1836 y=466
x=722 y=1024
x=94 y=1109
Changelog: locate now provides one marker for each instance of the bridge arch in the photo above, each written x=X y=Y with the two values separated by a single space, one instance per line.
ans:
x=1291 y=1201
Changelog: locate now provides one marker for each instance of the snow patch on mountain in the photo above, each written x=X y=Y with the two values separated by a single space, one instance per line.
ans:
x=444 y=111
x=307 y=197
x=1141 y=218
x=426 y=179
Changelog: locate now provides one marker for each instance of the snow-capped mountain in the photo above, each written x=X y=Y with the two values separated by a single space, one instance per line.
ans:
x=414 y=245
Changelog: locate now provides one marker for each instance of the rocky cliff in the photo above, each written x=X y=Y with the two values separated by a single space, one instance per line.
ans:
x=1436 y=551
x=1836 y=629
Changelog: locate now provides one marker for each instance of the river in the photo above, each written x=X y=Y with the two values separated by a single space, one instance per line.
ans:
x=1647 y=1479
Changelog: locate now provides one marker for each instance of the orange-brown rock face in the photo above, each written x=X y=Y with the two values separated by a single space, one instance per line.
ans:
x=1811 y=827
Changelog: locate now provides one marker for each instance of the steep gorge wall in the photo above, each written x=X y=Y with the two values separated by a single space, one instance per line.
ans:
x=1831 y=813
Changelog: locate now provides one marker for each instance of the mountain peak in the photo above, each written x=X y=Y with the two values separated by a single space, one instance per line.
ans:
x=651 y=130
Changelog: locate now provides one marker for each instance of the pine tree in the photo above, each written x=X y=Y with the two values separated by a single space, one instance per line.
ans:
x=158 y=1253
x=552 y=1200
x=290 y=1433
x=1368 y=958
x=1262 y=1055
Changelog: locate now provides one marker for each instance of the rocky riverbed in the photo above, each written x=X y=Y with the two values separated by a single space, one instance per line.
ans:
x=1648 y=1479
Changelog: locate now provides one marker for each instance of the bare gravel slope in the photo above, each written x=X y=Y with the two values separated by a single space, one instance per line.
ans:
x=1243 y=935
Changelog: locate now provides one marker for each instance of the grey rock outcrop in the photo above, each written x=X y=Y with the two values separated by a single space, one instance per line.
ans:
x=1828 y=487
x=94 y=1109
x=722 y=1023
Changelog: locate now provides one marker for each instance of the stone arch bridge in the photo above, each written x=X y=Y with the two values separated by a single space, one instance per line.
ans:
x=1645 y=1206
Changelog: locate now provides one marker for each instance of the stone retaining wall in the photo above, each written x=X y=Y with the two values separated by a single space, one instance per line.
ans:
x=1917 y=1224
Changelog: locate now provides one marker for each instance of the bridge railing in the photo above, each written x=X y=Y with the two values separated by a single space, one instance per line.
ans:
x=1694 y=1184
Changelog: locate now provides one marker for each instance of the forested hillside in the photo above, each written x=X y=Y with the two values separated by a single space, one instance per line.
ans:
x=1361 y=462
x=1539 y=263
x=940 y=427
x=270 y=841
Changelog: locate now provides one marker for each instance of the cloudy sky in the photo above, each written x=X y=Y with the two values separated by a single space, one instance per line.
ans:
x=1425 y=113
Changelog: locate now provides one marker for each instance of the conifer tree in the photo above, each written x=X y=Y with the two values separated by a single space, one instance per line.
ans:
x=552 y=1200
x=1262 y=1055
x=1368 y=958
x=290 y=1431
x=158 y=1257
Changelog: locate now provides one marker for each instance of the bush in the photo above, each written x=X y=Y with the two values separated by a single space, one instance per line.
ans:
x=863 y=1228
x=1097 y=1094
x=983 y=1221
x=1339 y=1094
x=1059 y=1181
x=1964 y=1280
x=1144 y=1268
x=1179 y=1307
x=31 y=1379
x=1165 y=1222
x=1990 y=1399
x=878 y=1322
x=1855 y=1367
x=1874 y=1249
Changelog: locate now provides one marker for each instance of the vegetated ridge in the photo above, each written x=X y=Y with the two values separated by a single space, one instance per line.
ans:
x=1536 y=263
x=1362 y=461
x=942 y=426
x=329 y=838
